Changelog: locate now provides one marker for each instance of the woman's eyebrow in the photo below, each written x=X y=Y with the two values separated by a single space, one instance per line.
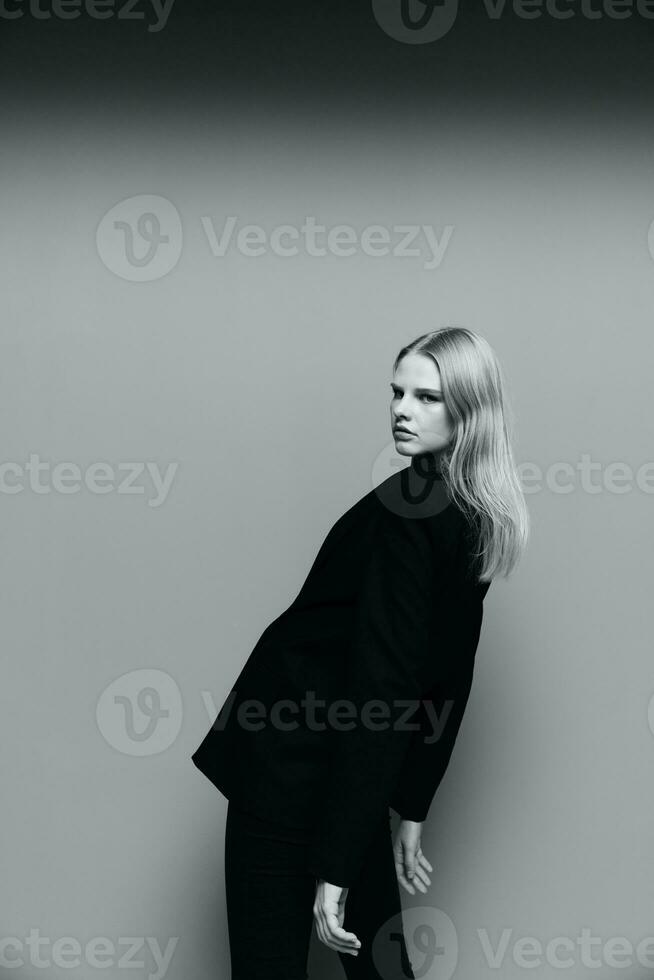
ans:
x=419 y=391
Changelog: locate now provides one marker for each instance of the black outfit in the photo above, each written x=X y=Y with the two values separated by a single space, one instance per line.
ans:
x=390 y=612
x=270 y=897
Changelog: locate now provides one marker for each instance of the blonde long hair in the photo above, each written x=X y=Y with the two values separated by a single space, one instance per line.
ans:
x=478 y=466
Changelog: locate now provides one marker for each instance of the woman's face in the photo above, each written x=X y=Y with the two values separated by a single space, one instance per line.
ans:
x=417 y=406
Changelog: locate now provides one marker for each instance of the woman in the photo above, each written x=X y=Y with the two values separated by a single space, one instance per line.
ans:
x=352 y=699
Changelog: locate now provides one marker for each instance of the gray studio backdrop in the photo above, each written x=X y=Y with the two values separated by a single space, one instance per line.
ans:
x=189 y=404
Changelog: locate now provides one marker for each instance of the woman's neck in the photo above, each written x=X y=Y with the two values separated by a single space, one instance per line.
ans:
x=427 y=465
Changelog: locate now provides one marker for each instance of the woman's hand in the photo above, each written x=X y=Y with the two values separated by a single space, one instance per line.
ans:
x=411 y=865
x=329 y=911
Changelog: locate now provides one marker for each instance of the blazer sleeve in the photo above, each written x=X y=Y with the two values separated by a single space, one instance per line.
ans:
x=431 y=747
x=395 y=658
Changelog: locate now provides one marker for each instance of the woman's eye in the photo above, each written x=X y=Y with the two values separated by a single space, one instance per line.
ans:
x=423 y=397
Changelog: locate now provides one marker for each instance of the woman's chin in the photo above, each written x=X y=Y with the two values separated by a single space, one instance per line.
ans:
x=403 y=449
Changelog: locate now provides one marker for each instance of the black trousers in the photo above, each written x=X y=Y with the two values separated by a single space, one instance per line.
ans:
x=270 y=899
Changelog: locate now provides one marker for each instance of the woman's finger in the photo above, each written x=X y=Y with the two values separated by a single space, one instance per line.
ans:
x=402 y=878
x=321 y=927
x=416 y=874
x=406 y=885
x=424 y=862
x=421 y=871
x=337 y=933
x=323 y=936
x=332 y=935
x=421 y=879
x=409 y=862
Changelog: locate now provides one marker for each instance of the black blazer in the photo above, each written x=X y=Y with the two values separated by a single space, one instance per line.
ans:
x=390 y=612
